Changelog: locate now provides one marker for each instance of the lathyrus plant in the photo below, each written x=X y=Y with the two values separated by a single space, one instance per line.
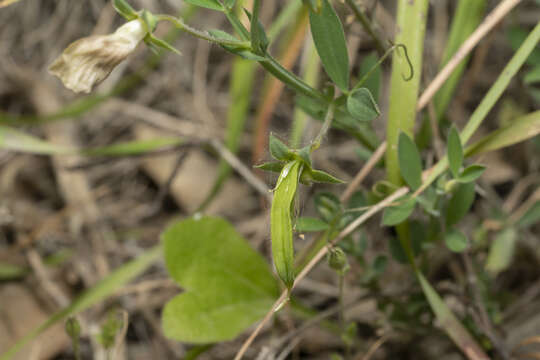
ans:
x=228 y=286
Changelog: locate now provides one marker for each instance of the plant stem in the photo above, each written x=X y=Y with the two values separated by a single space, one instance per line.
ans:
x=411 y=24
x=324 y=128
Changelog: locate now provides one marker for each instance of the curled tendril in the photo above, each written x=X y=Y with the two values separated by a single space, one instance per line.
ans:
x=381 y=60
x=406 y=58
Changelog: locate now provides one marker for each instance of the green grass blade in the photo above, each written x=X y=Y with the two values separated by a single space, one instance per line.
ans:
x=501 y=83
x=14 y=140
x=468 y=15
x=411 y=19
x=100 y=291
x=450 y=323
x=519 y=130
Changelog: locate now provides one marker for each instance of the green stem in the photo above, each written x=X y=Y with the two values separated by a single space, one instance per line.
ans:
x=324 y=128
x=290 y=79
x=381 y=60
x=411 y=20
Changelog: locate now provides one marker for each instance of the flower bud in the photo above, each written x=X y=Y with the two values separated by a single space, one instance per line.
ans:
x=338 y=260
x=88 y=61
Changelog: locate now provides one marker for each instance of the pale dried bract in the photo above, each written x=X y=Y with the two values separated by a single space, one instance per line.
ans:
x=88 y=61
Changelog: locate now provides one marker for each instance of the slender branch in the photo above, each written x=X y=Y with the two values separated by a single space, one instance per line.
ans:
x=366 y=169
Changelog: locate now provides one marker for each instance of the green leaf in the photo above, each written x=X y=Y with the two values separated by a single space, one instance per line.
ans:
x=259 y=40
x=373 y=82
x=521 y=129
x=311 y=175
x=455 y=152
x=310 y=224
x=209 y=4
x=531 y=217
x=410 y=164
x=533 y=76
x=279 y=150
x=460 y=203
x=327 y=205
x=124 y=9
x=240 y=51
x=149 y=20
x=94 y=295
x=394 y=215
x=273 y=166
x=281 y=222
x=227 y=284
x=151 y=39
x=455 y=240
x=362 y=106
x=329 y=40
x=501 y=251
x=471 y=173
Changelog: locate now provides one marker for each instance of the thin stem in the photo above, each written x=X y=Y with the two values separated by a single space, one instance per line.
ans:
x=379 y=42
x=290 y=79
x=180 y=24
x=376 y=65
x=324 y=128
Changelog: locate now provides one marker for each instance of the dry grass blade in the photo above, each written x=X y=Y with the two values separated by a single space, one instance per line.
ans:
x=489 y=23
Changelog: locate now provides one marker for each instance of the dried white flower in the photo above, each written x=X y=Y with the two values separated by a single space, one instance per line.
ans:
x=89 y=60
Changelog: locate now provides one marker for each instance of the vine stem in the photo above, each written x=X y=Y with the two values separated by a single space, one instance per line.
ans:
x=320 y=254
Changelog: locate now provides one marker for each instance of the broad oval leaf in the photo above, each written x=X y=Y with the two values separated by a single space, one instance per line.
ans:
x=410 y=164
x=281 y=222
x=329 y=40
x=362 y=106
x=455 y=152
x=455 y=240
x=501 y=251
x=394 y=215
x=228 y=285
x=460 y=203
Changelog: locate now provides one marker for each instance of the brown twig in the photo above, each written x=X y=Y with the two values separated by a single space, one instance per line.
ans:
x=366 y=169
